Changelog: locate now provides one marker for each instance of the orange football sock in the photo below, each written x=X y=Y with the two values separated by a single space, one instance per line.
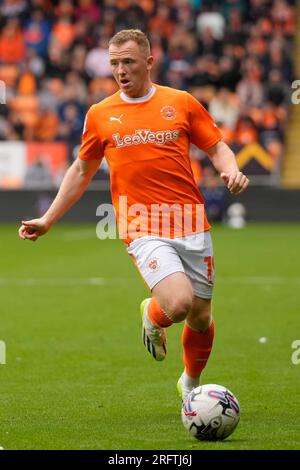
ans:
x=157 y=314
x=197 y=347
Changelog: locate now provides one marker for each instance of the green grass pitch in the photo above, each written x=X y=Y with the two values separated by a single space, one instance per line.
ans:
x=77 y=375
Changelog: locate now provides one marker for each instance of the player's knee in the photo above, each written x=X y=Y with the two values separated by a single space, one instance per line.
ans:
x=179 y=308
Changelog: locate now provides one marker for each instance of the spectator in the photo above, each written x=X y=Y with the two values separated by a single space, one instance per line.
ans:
x=213 y=20
x=97 y=60
x=71 y=128
x=88 y=10
x=12 y=45
x=37 y=32
x=250 y=90
x=63 y=33
x=208 y=44
x=214 y=195
x=246 y=131
x=54 y=61
x=224 y=108
x=162 y=22
x=46 y=126
x=131 y=14
x=38 y=175
x=277 y=90
x=229 y=71
x=13 y=8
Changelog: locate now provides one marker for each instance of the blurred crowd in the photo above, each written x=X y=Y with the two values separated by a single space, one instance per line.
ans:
x=234 y=56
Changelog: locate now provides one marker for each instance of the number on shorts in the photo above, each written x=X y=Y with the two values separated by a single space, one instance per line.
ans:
x=209 y=260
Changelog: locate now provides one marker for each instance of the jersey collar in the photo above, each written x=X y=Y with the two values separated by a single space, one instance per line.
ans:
x=140 y=99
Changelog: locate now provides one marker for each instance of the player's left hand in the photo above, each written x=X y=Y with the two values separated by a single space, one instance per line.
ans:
x=235 y=181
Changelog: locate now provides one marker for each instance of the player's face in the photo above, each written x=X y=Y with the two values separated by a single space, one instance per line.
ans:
x=131 y=68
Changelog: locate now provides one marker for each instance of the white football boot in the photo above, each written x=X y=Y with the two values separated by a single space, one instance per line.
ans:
x=154 y=337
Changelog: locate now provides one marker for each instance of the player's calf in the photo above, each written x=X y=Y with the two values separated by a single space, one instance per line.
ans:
x=199 y=317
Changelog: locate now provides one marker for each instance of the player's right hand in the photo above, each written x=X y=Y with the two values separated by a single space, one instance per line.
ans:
x=33 y=229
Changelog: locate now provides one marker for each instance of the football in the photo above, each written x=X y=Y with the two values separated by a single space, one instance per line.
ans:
x=210 y=412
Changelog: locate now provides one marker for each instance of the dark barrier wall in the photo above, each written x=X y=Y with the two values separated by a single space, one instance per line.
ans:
x=270 y=204
x=18 y=205
x=262 y=204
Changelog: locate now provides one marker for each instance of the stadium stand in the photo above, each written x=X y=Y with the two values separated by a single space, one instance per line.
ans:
x=235 y=56
x=291 y=162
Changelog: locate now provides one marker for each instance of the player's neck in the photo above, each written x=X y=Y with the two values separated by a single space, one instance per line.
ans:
x=143 y=93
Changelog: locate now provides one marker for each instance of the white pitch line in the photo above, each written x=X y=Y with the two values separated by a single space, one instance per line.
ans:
x=259 y=280
x=71 y=281
x=101 y=281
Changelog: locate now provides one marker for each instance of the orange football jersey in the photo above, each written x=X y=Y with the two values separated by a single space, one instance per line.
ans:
x=146 y=144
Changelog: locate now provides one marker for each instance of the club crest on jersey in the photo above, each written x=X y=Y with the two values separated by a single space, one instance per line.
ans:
x=145 y=136
x=168 y=113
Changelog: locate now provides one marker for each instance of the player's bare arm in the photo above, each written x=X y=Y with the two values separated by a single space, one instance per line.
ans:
x=73 y=186
x=224 y=162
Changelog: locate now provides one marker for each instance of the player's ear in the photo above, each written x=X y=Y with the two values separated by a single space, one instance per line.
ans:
x=149 y=62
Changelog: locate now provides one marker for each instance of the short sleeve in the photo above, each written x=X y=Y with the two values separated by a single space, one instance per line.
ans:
x=203 y=130
x=91 y=147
